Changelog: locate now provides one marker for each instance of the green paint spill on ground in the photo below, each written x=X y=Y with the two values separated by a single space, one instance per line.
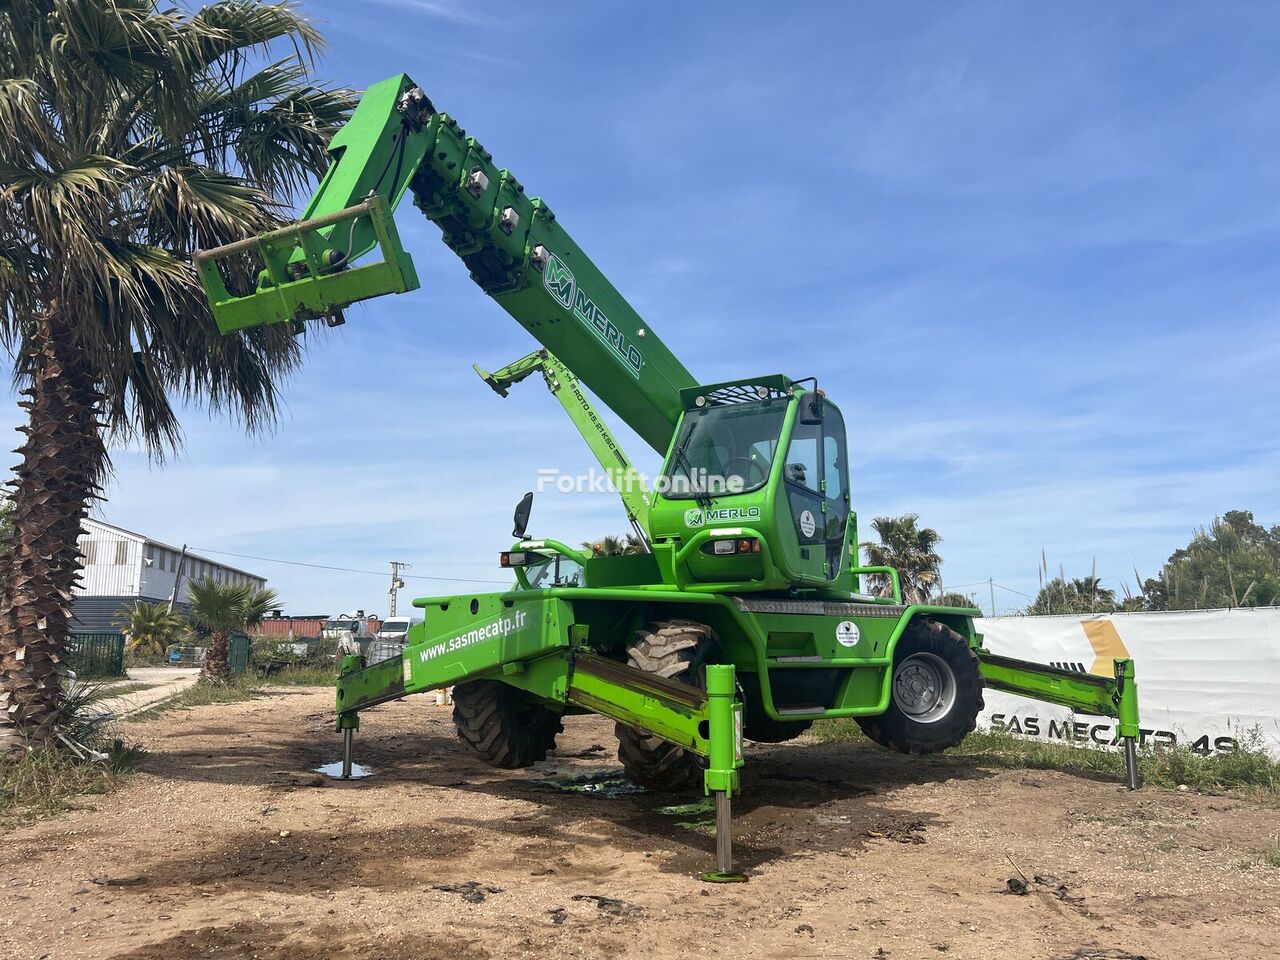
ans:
x=687 y=809
x=608 y=784
x=692 y=810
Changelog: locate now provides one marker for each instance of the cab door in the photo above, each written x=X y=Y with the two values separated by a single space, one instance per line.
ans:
x=815 y=478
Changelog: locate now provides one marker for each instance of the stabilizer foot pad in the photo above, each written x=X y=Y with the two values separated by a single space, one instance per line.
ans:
x=712 y=876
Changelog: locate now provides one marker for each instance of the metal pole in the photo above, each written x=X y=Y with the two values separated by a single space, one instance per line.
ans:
x=177 y=577
x=396 y=584
x=1131 y=761
x=724 y=834
x=348 y=736
x=292 y=230
x=991 y=585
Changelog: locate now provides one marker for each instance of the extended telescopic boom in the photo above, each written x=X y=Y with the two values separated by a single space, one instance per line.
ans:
x=514 y=246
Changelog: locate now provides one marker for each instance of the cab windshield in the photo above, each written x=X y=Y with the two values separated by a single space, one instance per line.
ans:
x=724 y=449
x=556 y=571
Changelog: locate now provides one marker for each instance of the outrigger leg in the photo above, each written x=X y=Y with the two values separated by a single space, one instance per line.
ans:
x=706 y=722
x=348 y=723
x=1082 y=692
x=721 y=777
x=1127 y=714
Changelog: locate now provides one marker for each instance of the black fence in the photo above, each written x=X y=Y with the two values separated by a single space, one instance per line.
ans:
x=96 y=654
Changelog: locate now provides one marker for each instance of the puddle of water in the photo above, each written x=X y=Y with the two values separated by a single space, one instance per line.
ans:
x=334 y=770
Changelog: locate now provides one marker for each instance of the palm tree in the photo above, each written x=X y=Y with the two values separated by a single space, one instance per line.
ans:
x=220 y=609
x=1091 y=595
x=149 y=627
x=909 y=549
x=132 y=135
x=615 y=546
x=1072 y=597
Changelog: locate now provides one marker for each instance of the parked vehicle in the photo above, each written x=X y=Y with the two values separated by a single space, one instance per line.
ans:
x=397 y=628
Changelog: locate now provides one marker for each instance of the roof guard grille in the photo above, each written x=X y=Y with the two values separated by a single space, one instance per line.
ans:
x=742 y=393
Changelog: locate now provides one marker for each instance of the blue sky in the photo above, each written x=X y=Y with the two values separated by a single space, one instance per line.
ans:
x=1029 y=249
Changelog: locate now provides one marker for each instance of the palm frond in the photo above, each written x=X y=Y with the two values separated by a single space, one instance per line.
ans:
x=190 y=207
x=22 y=116
x=225 y=34
x=224 y=607
x=146 y=133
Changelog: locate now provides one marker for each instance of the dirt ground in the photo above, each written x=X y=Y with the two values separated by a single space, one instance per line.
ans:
x=228 y=845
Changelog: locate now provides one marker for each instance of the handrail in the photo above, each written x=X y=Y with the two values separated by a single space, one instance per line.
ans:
x=890 y=571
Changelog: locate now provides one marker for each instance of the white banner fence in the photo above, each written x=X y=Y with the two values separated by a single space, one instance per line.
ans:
x=1209 y=679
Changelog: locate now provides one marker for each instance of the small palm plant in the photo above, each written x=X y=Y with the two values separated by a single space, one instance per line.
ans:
x=148 y=627
x=220 y=609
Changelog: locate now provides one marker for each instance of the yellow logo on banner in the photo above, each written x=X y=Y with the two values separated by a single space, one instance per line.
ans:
x=1107 y=646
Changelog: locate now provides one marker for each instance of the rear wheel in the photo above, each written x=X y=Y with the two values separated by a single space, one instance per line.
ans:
x=678 y=650
x=501 y=726
x=935 y=692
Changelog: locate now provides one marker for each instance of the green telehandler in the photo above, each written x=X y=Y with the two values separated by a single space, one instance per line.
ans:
x=744 y=617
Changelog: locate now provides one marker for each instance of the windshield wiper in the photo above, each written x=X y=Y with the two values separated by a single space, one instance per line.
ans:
x=680 y=459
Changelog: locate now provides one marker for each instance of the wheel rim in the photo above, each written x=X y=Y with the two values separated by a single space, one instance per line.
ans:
x=924 y=687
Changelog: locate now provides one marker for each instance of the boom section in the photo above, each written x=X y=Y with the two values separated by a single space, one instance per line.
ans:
x=514 y=246
x=563 y=385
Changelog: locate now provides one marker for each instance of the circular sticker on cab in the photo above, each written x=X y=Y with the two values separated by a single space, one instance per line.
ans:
x=847 y=633
x=807 y=524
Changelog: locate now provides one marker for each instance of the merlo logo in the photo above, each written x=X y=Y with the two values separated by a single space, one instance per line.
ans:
x=560 y=283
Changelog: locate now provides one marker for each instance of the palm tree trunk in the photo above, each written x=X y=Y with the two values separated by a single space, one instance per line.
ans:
x=217 y=658
x=63 y=458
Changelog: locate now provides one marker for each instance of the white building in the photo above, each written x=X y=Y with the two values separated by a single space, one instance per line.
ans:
x=121 y=566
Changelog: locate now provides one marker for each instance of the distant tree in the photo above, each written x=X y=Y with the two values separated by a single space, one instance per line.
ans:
x=909 y=549
x=220 y=609
x=149 y=628
x=1234 y=562
x=953 y=600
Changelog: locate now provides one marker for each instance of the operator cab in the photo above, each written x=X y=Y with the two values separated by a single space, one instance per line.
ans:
x=767 y=457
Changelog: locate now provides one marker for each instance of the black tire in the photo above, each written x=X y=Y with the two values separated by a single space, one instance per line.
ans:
x=922 y=718
x=677 y=650
x=501 y=726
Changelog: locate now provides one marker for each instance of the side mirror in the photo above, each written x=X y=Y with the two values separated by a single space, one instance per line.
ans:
x=811 y=410
x=523 y=509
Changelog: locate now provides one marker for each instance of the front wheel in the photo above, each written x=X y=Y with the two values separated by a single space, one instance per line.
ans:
x=501 y=726
x=935 y=692
x=676 y=650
